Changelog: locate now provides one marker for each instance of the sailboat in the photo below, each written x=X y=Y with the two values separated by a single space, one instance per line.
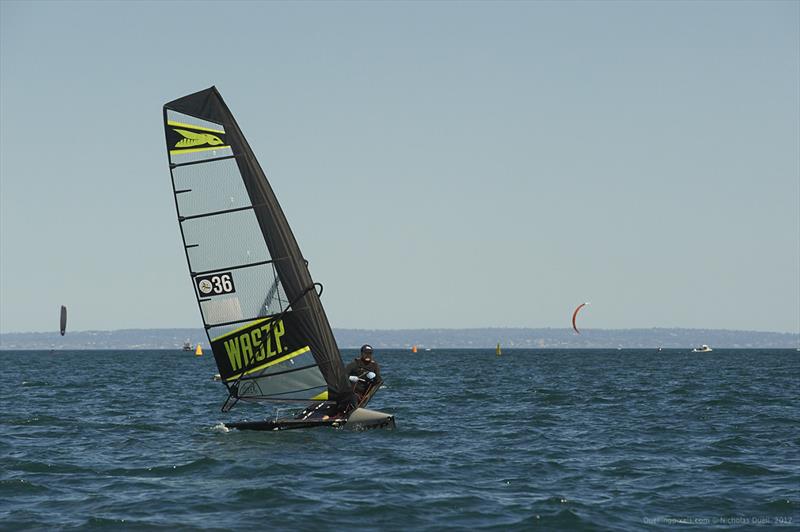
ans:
x=497 y=350
x=261 y=310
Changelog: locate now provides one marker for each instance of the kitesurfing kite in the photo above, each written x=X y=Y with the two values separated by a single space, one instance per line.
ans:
x=575 y=315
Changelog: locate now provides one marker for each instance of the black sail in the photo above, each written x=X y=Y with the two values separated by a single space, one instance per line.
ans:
x=63 y=327
x=260 y=307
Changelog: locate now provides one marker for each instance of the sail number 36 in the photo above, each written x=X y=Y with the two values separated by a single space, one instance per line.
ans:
x=215 y=284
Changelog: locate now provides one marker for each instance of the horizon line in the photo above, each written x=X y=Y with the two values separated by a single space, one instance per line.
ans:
x=434 y=329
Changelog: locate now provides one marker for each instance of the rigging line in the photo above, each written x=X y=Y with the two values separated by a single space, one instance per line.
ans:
x=270 y=294
x=312 y=410
x=233 y=388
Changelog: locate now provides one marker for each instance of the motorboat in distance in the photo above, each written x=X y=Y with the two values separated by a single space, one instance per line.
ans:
x=702 y=349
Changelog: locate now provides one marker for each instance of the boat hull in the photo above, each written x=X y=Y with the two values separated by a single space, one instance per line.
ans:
x=323 y=415
x=359 y=419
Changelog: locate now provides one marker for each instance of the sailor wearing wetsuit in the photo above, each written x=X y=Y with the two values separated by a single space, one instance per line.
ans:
x=363 y=371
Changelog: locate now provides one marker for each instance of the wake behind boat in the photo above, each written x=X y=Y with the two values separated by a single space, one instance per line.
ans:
x=261 y=310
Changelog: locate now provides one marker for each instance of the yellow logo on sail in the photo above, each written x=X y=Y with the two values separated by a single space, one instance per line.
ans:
x=256 y=346
x=192 y=139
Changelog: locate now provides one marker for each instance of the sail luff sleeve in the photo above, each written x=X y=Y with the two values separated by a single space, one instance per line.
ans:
x=289 y=262
x=292 y=271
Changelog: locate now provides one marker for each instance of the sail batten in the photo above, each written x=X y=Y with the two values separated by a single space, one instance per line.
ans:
x=238 y=267
x=204 y=161
x=215 y=213
x=260 y=309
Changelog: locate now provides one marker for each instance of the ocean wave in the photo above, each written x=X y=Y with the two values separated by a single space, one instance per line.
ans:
x=553 y=441
x=14 y=487
x=741 y=468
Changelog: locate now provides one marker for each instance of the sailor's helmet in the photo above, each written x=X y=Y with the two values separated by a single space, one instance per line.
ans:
x=366 y=351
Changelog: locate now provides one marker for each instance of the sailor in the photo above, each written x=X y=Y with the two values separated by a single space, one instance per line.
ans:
x=363 y=371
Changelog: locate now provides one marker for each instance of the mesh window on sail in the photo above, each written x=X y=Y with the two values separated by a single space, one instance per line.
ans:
x=209 y=187
x=223 y=241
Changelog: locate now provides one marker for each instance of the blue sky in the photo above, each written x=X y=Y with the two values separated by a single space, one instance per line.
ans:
x=441 y=164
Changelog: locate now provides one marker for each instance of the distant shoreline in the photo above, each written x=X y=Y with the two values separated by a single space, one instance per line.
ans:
x=506 y=351
x=510 y=338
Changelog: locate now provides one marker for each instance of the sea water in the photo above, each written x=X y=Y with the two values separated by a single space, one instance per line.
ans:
x=555 y=439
